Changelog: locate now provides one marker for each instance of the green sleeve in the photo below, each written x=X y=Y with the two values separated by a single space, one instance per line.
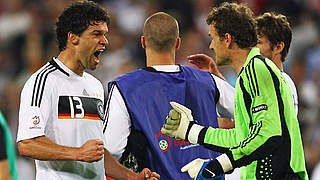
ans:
x=9 y=148
x=224 y=138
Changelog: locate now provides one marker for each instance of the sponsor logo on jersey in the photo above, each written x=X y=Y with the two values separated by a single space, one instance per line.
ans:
x=165 y=142
x=100 y=109
x=85 y=93
x=35 y=122
x=259 y=108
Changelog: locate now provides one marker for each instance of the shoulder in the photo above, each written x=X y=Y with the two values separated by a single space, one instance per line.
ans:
x=132 y=75
x=186 y=68
x=40 y=76
x=261 y=68
x=291 y=83
x=288 y=79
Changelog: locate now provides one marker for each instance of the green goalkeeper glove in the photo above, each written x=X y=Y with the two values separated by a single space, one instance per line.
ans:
x=180 y=124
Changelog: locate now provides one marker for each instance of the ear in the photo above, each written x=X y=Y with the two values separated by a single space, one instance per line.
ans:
x=278 y=48
x=178 y=43
x=227 y=40
x=73 y=38
x=143 y=42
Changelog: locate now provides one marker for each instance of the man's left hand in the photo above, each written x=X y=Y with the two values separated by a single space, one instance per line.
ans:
x=146 y=174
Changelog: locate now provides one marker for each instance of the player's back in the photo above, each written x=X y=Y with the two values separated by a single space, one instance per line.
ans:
x=147 y=94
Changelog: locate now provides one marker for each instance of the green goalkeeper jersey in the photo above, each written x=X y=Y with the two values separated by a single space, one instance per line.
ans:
x=266 y=140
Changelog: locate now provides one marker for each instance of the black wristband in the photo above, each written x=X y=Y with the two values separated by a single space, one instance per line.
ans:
x=201 y=136
x=191 y=123
x=213 y=167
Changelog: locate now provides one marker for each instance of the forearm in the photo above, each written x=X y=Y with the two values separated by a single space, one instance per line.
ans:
x=42 y=148
x=115 y=170
x=217 y=139
x=4 y=170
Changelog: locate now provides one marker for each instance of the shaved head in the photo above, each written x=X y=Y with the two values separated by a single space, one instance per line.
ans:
x=161 y=32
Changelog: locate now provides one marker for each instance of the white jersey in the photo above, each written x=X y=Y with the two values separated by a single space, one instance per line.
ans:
x=67 y=109
x=119 y=122
x=293 y=91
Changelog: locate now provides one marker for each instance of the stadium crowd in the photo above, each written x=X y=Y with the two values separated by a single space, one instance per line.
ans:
x=27 y=41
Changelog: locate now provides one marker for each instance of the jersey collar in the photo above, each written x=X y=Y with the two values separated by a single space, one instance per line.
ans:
x=164 y=68
x=253 y=52
x=167 y=68
x=64 y=68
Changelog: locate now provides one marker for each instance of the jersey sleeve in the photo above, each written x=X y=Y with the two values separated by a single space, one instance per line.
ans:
x=117 y=123
x=3 y=151
x=35 y=103
x=225 y=104
x=262 y=87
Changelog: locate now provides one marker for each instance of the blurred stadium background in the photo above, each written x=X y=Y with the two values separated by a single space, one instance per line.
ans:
x=27 y=41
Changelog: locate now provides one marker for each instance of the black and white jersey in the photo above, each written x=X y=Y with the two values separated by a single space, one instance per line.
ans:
x=67 y=109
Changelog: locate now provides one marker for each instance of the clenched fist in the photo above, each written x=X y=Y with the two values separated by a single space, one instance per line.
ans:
x=91 y=151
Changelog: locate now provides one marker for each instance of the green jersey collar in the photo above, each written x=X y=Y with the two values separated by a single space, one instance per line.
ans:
x=253 y=52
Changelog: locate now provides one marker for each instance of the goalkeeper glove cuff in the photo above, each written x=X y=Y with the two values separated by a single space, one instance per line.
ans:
x=218 y=166
x=193 y=132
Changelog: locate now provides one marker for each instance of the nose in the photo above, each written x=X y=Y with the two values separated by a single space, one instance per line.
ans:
x=104 y=41
x=211 y=46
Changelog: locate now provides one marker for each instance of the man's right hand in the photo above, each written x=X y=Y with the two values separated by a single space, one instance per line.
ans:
x=205 y=63
x=91 y=151
x=180 y=124
x=178 y=121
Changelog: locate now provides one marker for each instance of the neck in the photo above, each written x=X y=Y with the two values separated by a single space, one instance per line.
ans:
x=238 y=58
x=68 y=58
x=277 y=61
x=155 y=58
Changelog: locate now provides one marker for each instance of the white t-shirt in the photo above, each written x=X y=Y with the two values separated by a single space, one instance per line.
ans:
x=118 y=119
x=67 y=109
x=293 y=91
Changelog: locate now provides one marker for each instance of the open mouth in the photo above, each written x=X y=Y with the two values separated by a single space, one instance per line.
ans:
x=98 y=53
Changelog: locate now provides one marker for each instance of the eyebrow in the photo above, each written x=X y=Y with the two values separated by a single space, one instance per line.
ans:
x=99 y=32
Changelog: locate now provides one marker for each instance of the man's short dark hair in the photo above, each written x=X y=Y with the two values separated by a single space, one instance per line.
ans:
x=237 y=20
x=161 y=32
x=76 y=18
x=276 y=28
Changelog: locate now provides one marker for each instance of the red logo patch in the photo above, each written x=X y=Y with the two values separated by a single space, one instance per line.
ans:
x=35 y=121
x=165 y=142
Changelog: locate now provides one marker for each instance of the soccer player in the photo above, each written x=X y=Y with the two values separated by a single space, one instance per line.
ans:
x=8 y=168
x=266 y=140
x=274 y=44
x=61 y=109
x=139 y=101
x=274 y=38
